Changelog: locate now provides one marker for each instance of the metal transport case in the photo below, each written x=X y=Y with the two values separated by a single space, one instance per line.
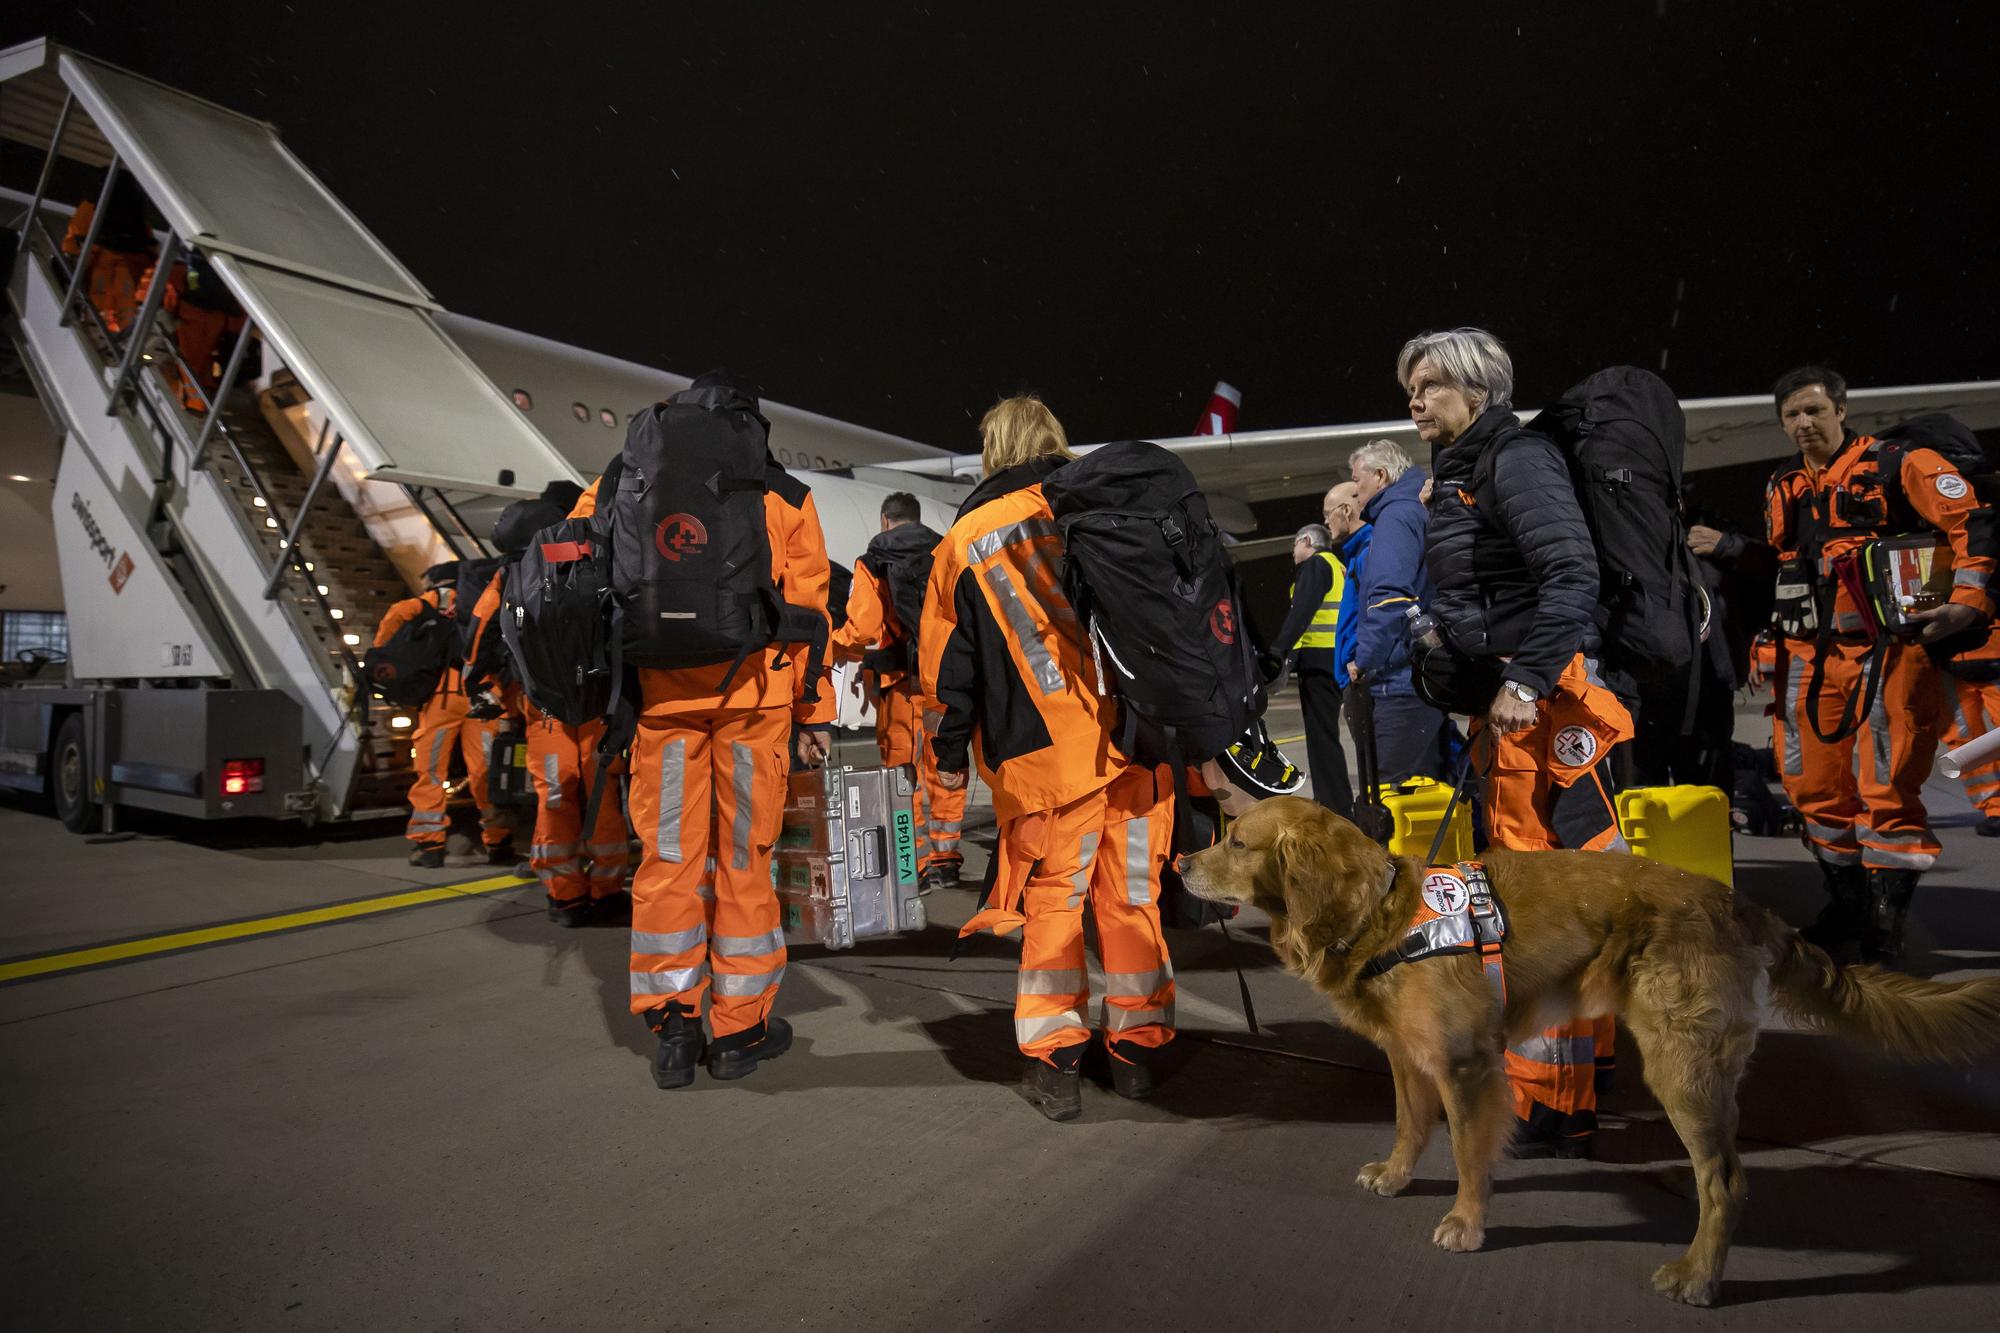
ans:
x=846 y=862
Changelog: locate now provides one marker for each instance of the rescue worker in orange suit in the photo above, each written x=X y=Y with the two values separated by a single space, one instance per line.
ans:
x=709 y=776
x=1515 y=577
x=445 y=727
x=1002 y=654
x=875 y=636
x=1870 y=833
x=120 y=256
x=202 y=313
x=1975 y=710
x=584 y=877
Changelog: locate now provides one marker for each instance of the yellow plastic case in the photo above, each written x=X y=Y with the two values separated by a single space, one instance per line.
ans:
x=1416 y=807
x=1683 y=826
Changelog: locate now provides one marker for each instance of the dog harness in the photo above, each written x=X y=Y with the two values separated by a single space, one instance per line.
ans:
x=1457 y=914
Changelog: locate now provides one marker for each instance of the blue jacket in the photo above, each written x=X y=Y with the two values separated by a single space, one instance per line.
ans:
x=1354 y=554
x=1395 y=578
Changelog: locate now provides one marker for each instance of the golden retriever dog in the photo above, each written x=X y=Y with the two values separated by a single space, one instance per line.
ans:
x=1684 y=964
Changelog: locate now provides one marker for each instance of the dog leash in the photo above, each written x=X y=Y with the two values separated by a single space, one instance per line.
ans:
x=1451 y=806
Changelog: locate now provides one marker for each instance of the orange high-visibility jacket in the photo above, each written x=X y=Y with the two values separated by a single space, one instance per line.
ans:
x=1821 y=515
x=871 y=623
x=1002 y=653
x=777 y=677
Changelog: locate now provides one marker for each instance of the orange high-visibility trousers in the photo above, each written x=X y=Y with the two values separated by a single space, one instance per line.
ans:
x=562 y=760
x=1108 y=848
x=1874 y=817
x=114 y=285
x=1550 y=786
x=939 y=815
x=1975 y=710
x=708 y=799
x=442 y=729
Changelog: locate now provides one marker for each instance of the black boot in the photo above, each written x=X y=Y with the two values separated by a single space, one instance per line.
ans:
x=569 y=913
x=738 y=1054
x=1131 y=1070
x=1845 y=915
x=1889 y=894
x=1056 y=1090
x=680 y=1045
x=502 y=855
x=427 y=857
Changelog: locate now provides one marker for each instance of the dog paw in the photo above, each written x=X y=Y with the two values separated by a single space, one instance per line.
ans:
x=1678 y=1281
x=1379 y=1178
x=1458 y=1235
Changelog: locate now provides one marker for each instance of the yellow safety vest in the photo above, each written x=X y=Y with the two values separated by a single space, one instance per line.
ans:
x=1325 y=620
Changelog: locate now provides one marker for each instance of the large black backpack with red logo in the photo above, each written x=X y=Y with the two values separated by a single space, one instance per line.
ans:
x=690 y=551
x=901 y=559
x=1157 y=600
x=406 y=669
x=558 y=622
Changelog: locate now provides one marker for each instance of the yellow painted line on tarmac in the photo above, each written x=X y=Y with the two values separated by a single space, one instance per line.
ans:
x=124 y=951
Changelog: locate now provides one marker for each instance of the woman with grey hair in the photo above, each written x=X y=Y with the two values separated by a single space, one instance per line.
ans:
x=1516 y=590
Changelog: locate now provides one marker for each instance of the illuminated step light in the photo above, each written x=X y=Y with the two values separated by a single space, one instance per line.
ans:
x=282 y=543
x=258 y=500
x=270 y=522
x=336 y=613
x=15 y=476
x=322 y=588
x=309 y=566
x=351 y=640
x=399 y=723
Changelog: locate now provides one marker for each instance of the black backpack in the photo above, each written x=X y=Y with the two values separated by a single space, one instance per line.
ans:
x=406 y=670
x=1157 y=600
x=1624 y=434
x=691 y=557
x=901 y=558
x=557 y=622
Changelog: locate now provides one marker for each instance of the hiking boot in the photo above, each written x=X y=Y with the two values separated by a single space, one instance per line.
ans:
x=947 y=872
x=680 y=1045
x=1536 y=1148
x=1131 y=1070
x=1845 y=915
x=569 y=913
x=428 y=857
x=502 y=855
x=1889 y=894
x=1057 y=1092
x=613 y=909
x=738 y=1054
x=1989 y=827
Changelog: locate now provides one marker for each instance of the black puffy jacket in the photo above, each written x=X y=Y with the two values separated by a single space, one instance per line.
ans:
x=1511 y=558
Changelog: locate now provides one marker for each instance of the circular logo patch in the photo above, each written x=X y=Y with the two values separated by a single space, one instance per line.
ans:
x=385 y=671
x=1575 y=747
x=1444 y=893
x=679 y=535
x=1951 y=486
x=1222 y=621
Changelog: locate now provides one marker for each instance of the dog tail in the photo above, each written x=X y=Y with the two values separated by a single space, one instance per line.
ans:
x=1907 y=1017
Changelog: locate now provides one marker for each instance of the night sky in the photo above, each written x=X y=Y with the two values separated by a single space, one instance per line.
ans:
x=893 y=213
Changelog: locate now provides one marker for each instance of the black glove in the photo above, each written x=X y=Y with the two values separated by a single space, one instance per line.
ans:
x=1271 y=666
x=485 y=708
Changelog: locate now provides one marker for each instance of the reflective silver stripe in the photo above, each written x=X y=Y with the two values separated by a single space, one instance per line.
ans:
x=1838 y=856
x=1047 y=676
x=559 y=868
x=1124 y=1020
x=1836 y=832
x=551 y=850
x=673 y=767
x=1590 y=673
x=1547 y=1050
x=1035 y=1029
x=602 y=850
x=1917 y=839
x=438 y=738
x=1138 y=862
x=552 y=775
x=1875 y=856
x=990 y=545
x=1080 y=882
x=425 y=820
x=743 y=779
x=1137 y=985
x=672 y=981
x=952 y=826
x=1617 y=844
x=745 y=946
x=747 y=983
x=1878 y=722
x=1049 y=981
x=669 y=941
x=1967 y=578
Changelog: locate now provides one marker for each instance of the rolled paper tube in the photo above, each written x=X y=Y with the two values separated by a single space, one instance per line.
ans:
x=1953 y=763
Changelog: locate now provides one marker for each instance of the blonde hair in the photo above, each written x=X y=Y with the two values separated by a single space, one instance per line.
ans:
x=1018 y=429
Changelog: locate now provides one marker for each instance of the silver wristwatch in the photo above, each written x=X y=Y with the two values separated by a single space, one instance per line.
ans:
x=1527 y=694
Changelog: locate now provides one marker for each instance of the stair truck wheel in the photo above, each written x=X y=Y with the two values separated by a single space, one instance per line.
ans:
x=70 y=777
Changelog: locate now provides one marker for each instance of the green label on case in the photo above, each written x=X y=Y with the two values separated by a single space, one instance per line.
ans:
x=906 y=847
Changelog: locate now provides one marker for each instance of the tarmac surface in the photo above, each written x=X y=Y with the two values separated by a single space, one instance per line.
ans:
x=440 y=1116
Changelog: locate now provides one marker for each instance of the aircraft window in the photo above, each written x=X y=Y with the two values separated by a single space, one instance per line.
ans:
x=608 y=417
x=524 y=400
x=820 y=461
x=785 y=457
x=580 y=412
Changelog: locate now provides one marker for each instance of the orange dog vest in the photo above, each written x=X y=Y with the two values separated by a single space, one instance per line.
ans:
x=1457 y=914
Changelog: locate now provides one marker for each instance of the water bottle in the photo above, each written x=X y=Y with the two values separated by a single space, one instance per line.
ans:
x=1423 y=627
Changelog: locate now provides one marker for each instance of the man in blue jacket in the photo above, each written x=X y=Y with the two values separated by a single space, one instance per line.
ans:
x=1342 y=507
x=1412 y=739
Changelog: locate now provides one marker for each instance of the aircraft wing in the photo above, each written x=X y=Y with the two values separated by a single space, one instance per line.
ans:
x=1272 y=464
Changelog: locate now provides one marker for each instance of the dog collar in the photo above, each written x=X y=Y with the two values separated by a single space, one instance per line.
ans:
x=1457 y=913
